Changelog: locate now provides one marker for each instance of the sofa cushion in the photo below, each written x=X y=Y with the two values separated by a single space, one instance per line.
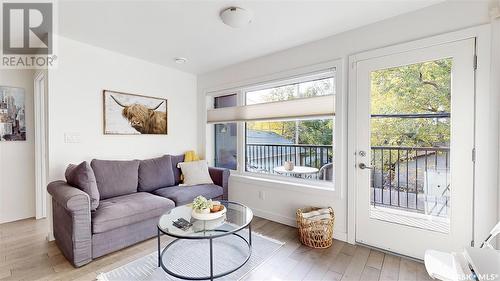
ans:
x=176 y=159
x=182 y=195
x=155 y=173
x=128 y=209
x=82 y=177
x=115 y=178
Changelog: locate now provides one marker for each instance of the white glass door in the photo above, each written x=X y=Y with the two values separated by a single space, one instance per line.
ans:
x=415 y=137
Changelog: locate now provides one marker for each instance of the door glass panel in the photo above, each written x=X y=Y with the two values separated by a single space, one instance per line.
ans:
x=410 y=144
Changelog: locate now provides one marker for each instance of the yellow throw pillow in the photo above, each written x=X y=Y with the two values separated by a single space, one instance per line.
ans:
x=190 y=156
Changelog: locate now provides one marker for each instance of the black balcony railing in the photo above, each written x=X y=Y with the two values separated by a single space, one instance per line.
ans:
x=398 y=180
x=265 y=157
x=401 y=176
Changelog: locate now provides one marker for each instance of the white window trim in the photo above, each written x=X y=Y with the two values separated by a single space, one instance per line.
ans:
x=311 y=76
x=283 y=78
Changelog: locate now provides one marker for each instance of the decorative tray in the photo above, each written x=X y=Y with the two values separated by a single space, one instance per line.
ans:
x=208 y=216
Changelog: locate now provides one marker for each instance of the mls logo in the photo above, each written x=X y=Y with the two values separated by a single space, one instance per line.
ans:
x=27 y=28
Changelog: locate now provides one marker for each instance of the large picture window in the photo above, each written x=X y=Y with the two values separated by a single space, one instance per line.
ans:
x=300 y=148
x=287 y=128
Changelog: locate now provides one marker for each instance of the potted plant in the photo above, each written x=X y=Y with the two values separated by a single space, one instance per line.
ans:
x=202 y=205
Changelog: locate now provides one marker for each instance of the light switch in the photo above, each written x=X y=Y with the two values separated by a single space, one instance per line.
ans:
x=72 y=137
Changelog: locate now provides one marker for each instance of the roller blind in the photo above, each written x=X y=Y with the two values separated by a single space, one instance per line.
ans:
x=320 y=106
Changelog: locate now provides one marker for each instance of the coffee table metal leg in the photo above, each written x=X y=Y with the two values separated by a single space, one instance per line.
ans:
x=159 y=255
x=211 y=260
x=250 y=233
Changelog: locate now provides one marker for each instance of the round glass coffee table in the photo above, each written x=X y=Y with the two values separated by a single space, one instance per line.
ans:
x=228 y=227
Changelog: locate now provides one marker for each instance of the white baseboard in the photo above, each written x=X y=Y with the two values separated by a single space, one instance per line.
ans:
x=50 y=236
x=275 y=217
x=342 y=236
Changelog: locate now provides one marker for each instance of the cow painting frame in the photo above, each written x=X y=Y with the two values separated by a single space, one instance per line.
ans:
x=134 y=114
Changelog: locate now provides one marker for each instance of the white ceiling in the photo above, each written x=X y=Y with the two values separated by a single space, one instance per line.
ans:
x=159 y=31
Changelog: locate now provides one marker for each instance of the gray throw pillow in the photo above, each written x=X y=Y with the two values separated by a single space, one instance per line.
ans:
x=115 y=178
x=82 y=177
x=176 y=159
x=155 y=173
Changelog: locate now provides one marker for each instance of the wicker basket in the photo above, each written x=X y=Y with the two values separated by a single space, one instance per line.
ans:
x=315 y=233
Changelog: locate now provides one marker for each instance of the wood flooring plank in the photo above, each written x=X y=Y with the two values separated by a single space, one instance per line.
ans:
x=332 y=276
x=349 y=249
x=390 y=268
x=357 y=264
x=370 y=274
x=258 y=223
x=5 y=273
x=340 y=263
x=375 y=259
x=322 y=265
x=268 y=228
x=300 y=270
x=407 y=270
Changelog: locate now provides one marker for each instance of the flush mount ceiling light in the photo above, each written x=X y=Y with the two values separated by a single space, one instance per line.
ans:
x=236 y=17
x=180 y=60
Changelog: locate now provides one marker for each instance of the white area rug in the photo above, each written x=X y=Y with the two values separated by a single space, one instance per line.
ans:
x=191 y=258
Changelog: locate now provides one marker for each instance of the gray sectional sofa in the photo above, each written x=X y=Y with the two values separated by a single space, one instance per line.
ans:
x=124 y=208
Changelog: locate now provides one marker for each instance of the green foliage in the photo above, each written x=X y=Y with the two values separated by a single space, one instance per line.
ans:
x=201 y=203
x=417 y=88
x=316 y=132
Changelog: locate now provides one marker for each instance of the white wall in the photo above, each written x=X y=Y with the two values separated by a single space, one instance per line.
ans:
x=17 y=169
x=283 y=199
x=76 y=106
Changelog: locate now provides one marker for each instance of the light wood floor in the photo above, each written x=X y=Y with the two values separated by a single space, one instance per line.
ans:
x=26 y=255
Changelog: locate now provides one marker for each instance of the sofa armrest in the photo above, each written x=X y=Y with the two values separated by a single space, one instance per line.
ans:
x=71 y=222
x=69 y=197
x=220 y=176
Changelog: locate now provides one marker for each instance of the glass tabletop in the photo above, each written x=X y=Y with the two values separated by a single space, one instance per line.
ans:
x=237 y=217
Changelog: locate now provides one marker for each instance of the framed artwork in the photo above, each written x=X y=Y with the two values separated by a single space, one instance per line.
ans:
x=130 y=114
x=12 y=114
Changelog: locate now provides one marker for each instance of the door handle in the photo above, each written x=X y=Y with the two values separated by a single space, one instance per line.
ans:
x=363 y=166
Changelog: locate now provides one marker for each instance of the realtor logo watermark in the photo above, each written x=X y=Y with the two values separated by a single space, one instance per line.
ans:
x=27 y=35
x=475 y=277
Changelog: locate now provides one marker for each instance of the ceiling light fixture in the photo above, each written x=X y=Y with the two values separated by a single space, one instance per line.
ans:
x=180 y=60
x=236 y=17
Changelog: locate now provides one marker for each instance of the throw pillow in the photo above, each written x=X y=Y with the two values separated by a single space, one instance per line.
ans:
x=195 y=172
x=115 y=177
x=189 y=156
x=176 y=159
x=82 y=177
x=155 y=173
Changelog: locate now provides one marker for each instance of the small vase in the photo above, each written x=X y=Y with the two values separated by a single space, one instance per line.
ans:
x=288 y=165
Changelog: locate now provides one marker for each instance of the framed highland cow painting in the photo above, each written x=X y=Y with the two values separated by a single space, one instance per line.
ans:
x=130 y=114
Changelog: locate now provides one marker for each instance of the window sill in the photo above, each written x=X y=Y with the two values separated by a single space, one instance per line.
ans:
x=273 y=182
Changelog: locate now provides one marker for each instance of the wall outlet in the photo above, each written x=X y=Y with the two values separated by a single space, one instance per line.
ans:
x=72 y=138
x=262 y=195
